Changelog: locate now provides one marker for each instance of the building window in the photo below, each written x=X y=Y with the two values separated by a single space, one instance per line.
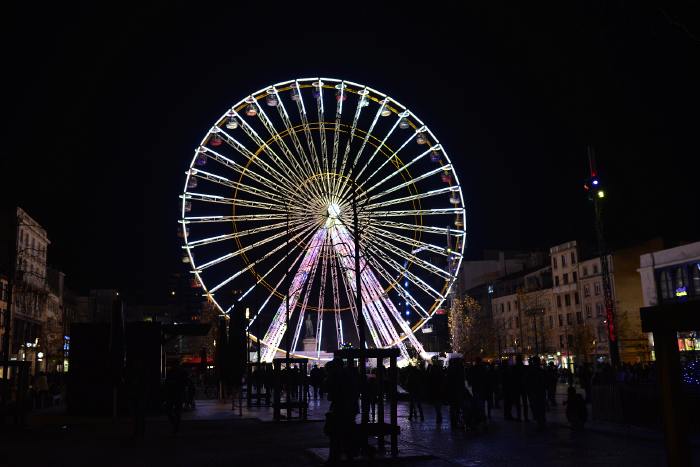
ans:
x=568 y=319
x=517 y=322
x=573 y=258
x=556 y=281
x=563 y=261
x=586 y=291
x=554 y=261
x=576 y=301
x=585 y=271
x=551 y=321
x=589 y=312
x=579 y=317
x=508 y=306
x=596 y=288
x=595 y=269
x=510 y=323
x=680 y=281
x=567 y=300
x=575 y=276
x=695 y=275
x=599 y=309
x=561 y=320
x=501 y=307
x=561 y=341
x=566 y=278
x=558 y=301
x=570 y=340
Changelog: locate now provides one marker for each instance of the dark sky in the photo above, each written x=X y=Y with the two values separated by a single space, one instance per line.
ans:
x=107 y=105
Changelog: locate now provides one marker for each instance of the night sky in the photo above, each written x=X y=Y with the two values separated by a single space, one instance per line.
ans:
x=106 y=107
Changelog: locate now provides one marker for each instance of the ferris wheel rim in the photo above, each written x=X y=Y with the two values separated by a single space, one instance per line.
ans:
x=341 y=86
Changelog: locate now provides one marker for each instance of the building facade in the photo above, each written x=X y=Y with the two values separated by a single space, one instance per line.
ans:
x=30 y=294
x=670 y=276
x=558 y=310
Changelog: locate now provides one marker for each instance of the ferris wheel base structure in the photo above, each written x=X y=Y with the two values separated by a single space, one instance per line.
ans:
x=269 y=225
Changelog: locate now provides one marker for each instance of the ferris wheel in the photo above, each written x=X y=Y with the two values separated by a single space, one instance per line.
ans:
x=275 y=193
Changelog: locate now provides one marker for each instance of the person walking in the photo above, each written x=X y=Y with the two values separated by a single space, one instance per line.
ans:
x=576 y=411
x=551 y=379
x=436 y=387
x=414 y=385
x=455 y=390
x=520 y=389
x=536 y=391
x=175 y=395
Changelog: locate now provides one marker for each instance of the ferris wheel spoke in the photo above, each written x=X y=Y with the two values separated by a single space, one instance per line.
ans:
x=358 y=110
x=443 y=231
x=308 y=233
x=236 y=218
x=336 y=299
x=342 y=245
x=290 y=266
x=410 y=257
x=410 y=212
x=412 y=242
x=320 y=109
x=244 y=249
x=411 y=198
x=405 y=294
x=305 y=159
x=412 y=181
x=382 y=321
x=389 y=157
x=302 y=310
x=242 y=233
x=283 y=145
x=237 y=185
x=370 y=298
x=358 y=155
x=393 y=312
x=340 y=97
x=307 y=128
x=254 y=159
x=380 y=253
x=278 y=326
x=397 y=171
x=348 y=293
x=246 y=171
x=267 y=149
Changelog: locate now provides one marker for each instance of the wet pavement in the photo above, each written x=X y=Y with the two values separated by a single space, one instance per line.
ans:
x=213 y=434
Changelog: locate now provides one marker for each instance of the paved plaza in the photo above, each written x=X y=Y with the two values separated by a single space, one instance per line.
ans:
x=215 y=435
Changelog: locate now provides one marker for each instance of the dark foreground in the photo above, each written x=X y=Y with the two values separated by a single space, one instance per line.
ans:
x=213 y=435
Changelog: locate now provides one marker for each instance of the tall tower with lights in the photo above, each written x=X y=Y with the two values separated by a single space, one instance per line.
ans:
x=596 y=194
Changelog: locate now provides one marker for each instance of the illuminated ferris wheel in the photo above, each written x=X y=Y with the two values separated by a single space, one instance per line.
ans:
x=268 y=217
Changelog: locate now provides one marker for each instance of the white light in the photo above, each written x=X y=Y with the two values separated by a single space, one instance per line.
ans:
x=333 y=210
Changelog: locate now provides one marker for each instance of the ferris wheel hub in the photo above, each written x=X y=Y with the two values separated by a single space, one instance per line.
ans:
x=333 y=210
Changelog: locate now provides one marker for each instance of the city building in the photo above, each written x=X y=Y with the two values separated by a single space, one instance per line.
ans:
x=558 y=311
x=672 y=276
x=54 y=328
x=30 y=292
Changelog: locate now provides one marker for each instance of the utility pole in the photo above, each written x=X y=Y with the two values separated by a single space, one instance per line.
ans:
x=289 y=283
x=596 y=194
x=358 y=306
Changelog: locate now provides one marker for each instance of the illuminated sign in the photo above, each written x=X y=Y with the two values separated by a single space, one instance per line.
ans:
x=681 y=292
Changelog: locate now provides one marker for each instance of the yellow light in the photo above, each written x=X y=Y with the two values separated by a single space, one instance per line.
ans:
x=172 y=293
x=601 y=194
